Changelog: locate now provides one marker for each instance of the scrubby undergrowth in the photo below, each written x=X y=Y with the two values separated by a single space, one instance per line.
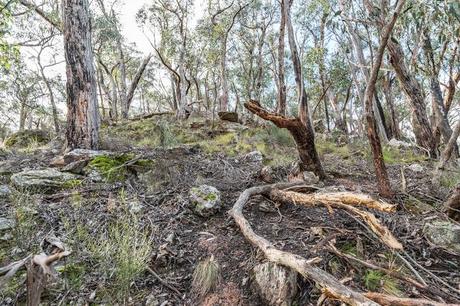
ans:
x=135 y=239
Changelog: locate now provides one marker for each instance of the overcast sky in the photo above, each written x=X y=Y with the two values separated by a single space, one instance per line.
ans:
x=130 y=29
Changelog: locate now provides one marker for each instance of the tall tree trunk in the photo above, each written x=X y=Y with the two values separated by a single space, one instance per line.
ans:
x=82 y=110
x=413 y=91
x=281 y=105
x=441 y=123
x=372 y=134
x=22 y=116
x=123 y=82
x=223 y=99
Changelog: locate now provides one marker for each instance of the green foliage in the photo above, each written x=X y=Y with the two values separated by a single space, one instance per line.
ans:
x=205 y=276
x=393 y=155
x=374 y=280
x=27 y=138
x=74 y=274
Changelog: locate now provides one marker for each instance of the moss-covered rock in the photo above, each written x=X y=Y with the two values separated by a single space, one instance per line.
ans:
x=205 y=200
x=27 y=138
x=443 y=234
x=43 y=181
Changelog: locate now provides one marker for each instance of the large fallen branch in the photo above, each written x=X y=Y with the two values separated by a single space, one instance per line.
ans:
x=328 y=282
x=331 y=287
x=347 y=201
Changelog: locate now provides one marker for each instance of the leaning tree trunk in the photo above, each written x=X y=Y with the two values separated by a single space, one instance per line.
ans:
x=413 y=90
x=372 y=134
x=82 y=108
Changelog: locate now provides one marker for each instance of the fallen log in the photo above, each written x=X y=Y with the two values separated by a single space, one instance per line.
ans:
x=330 y=286
x=347 y=201
x=303 y=266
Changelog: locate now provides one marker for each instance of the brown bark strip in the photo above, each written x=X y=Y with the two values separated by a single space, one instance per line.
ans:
x=302 y=135
x=345 y=201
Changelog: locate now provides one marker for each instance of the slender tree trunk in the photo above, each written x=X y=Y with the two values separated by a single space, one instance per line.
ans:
x=281 y=106
x=372 y=134
x=450 y=147
x=52 y=101
x=82 y=110
x=22 y=116
x=123 y=82
x=135 y=82
x=394 y=126
x=223 y=99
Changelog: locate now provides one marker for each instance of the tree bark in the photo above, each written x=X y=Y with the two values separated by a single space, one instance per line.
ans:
x=413 y=91
x=281 y=105
x=82 y=108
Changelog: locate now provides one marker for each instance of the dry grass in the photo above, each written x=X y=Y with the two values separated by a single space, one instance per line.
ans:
x=205 y=277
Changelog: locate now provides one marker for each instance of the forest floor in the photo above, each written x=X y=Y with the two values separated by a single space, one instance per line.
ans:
x=140 y=212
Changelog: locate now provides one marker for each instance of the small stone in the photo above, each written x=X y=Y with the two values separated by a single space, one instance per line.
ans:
x=152 y=300
x=443 y=234
x=254 y=157
x=275 y=284
x=76 y=167
x=4 y=191
x=205 y=200
x=310 y=178
x=6 y=224
x=416 y=168
x=135 y=207
x=95 y=176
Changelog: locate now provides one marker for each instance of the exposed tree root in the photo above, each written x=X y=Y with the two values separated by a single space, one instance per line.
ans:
x=334 y=288
x=347 y=201
x=389 y=300
x=331 y=287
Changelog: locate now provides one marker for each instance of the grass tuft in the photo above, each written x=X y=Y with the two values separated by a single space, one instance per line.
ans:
x=205 y=277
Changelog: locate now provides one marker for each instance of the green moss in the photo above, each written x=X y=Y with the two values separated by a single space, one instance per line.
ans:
x=27 y=138
x=112 y=168
x=393 y=155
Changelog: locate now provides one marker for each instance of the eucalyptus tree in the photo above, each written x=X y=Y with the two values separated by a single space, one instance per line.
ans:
x=170 y=20
x=223 y=18
x=82 y=106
